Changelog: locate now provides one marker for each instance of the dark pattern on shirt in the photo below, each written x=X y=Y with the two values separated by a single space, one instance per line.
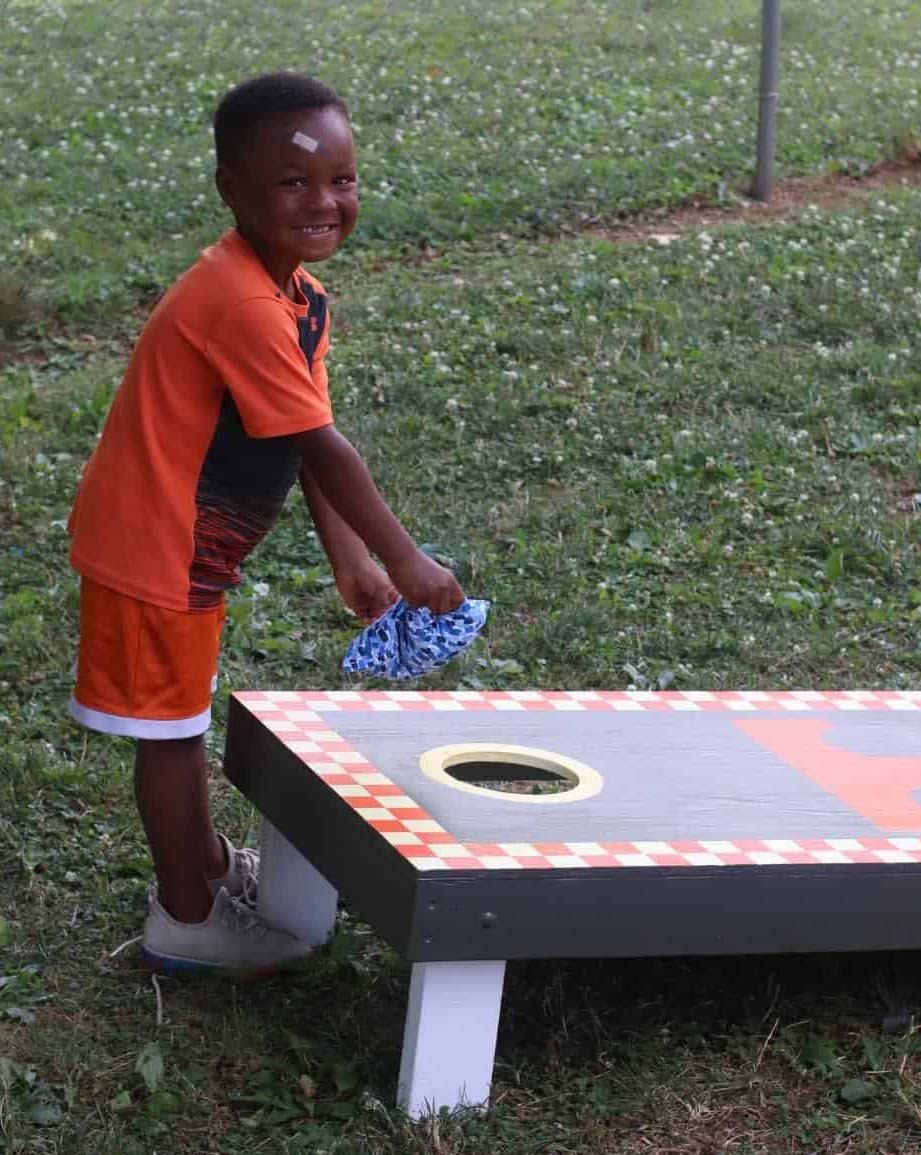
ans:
x=243 y=484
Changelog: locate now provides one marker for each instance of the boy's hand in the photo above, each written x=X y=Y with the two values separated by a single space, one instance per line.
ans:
x=424 y=582
x=366 y=589
x=333 y=468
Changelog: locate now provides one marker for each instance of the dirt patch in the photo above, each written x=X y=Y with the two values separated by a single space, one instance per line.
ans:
x=788 y=201
x=909 y=500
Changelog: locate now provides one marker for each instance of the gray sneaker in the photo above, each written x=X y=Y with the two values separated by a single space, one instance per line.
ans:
x=233 y=938
x=242 y=877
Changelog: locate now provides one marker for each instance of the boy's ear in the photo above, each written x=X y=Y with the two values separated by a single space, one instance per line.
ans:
x=224 y=180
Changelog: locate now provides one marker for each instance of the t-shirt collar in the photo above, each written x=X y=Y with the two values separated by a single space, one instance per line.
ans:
x=237 y=242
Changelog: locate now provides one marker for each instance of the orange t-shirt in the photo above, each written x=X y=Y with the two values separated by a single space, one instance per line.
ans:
x=198 y=451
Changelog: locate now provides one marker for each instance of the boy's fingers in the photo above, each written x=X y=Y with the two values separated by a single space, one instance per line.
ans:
x=449 y=598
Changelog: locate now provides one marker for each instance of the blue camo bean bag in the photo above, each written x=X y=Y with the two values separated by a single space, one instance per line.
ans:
x=409 y=642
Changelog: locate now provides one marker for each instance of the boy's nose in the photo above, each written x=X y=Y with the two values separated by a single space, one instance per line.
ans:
x=319 y=196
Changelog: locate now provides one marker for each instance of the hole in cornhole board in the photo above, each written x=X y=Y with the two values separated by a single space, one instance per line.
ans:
x=512 y=773
x=510 y=777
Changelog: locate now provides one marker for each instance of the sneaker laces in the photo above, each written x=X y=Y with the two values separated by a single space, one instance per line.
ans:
x=241 y=918
x=250 y=891
x=246 y=862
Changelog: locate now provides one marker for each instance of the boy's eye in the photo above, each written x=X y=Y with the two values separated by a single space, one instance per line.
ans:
x=344 y=180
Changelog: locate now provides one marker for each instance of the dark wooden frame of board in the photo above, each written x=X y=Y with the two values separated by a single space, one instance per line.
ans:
x=597 y=912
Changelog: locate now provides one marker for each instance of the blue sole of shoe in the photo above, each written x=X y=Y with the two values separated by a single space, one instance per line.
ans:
x=168 y=965
x=165 y=964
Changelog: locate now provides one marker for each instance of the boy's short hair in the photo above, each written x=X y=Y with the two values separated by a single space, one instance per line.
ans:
x=255 y=100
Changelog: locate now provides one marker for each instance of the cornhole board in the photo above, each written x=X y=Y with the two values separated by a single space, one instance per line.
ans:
x=704 y=824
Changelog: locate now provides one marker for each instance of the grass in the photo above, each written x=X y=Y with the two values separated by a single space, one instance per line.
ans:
x=517 y=118
x=692 y=463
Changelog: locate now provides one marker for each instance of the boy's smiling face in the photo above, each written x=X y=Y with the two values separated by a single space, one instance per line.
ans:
x=293 y=189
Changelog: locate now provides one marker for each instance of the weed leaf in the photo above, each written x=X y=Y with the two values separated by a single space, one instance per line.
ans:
x=45 y=1114
x=857 y=1091
x=149 y=1066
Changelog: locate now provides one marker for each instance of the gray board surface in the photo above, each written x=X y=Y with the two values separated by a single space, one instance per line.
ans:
x=666 y=776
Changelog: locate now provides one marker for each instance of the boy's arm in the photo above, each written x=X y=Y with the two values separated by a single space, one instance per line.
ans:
x=342 y=478
x=363 y=585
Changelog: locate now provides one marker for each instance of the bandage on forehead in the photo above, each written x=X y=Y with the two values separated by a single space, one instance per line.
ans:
x=302 y=140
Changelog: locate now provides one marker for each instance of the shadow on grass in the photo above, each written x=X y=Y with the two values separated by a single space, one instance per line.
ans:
x=682 y=1055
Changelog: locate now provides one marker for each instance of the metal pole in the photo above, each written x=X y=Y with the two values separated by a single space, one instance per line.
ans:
x=767 y=101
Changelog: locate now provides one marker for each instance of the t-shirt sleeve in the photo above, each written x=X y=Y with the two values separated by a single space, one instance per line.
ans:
x=254 y=347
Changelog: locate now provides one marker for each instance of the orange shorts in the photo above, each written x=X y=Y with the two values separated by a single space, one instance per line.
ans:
x=143 y=671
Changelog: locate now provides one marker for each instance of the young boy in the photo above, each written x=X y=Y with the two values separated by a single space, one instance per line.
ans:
x=223 y=406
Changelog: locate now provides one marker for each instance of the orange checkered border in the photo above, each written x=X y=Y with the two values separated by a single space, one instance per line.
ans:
x=297 y=720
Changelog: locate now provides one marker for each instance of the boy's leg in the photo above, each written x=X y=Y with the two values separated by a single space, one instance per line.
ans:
x=146 y=673
x=189 y=927
x=171 y=789
x=192 y=925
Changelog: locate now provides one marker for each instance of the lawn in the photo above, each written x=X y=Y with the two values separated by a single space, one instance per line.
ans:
x=691 y=461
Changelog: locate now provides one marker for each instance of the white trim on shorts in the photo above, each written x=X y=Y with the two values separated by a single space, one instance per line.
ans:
x=124 y=727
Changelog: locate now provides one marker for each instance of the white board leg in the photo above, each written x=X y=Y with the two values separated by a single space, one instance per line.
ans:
x=449 y=1044
x=293 y=895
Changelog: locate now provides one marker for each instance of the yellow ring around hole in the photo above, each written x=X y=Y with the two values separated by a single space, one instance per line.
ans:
x=435 y=764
